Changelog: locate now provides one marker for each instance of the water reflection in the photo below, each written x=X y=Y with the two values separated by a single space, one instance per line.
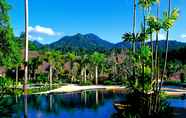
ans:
x=139 y=105
x=25 y=104
x=91 y=104
x=68 y=105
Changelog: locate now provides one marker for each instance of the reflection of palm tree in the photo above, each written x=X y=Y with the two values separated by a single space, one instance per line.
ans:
x=50 y=102
x=97 y=97
x=25 y=106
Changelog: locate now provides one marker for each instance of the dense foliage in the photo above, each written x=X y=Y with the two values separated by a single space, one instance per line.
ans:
x=9 y=50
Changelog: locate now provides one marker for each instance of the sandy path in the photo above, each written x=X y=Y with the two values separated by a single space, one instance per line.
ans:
x=169 y=90
x=174 y=91
x=74 y=88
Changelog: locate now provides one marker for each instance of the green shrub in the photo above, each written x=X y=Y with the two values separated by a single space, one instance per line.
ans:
x=5 y=82
x=108 y=82
x=42 y=78
x=88 y=82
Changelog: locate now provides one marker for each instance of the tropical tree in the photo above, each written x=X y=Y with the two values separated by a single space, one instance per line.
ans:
x=97 y=59
x=33 y=66
x=134 y=23
x=147 y=4
x=169 y=19
x=54 y=58
x=20 y=41
x=10 y=54
x=71 y=57
x=84 y=61
x=151 y=20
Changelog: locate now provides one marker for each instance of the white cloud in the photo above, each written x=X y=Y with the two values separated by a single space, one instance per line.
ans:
x=161 y=36
x=183 y=36
x=35 y=38
x=43 y=30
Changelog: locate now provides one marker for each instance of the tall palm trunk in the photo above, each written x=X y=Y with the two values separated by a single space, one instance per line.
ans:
x=26 y=45
x=17 y=75
x=167 y=45
x=82 y=74
x=157 y=65
x=143 y=44
x=133 y=29
x=34 y=74
x=85 y=79
x=96 y=74
x=156 y=52
x=50 y=76
x=152 y=56
x=134 y=25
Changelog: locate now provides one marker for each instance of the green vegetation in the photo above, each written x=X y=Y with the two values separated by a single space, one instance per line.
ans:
x=86 y=60
x=139 y=68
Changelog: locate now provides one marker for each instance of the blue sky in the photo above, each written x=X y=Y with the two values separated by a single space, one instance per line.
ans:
x=109 y=19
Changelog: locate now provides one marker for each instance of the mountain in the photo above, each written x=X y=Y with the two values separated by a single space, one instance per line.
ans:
x=173 y=44
x=79 y=41
x=37 y=44
x=91 y=42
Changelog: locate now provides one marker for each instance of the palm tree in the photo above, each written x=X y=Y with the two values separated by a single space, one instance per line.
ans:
x=168 y=22
x=134 y=25
x=72 y=58
x=151 y=21
x=158 y=27
x=145 y=4
x=97 y=59
x=169 y=19
x=167 y=43
x=26 y=44
x=84 y=61
x=133 y=30
x=54 y=58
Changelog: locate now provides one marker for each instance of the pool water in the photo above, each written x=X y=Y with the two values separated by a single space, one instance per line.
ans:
x=85 y=104
x=179 y=106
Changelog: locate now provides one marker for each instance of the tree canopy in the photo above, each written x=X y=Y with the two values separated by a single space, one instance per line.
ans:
x=9 y=50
